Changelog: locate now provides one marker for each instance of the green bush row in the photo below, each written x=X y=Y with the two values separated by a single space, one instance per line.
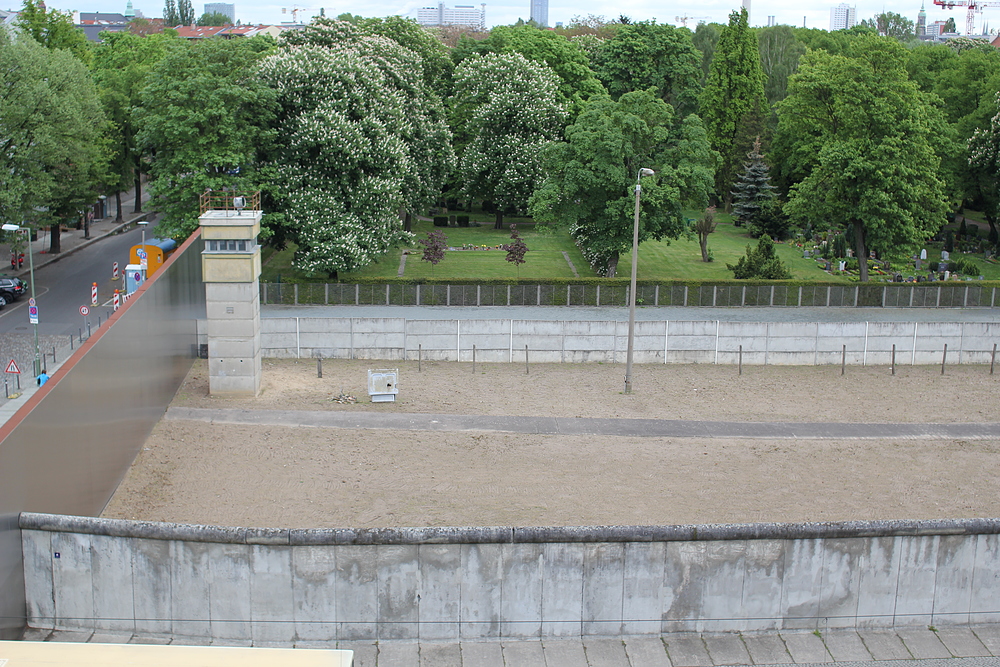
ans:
x=612 y=282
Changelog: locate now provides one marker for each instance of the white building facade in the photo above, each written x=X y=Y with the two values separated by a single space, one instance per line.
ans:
x=843 y=16
x=465 y=15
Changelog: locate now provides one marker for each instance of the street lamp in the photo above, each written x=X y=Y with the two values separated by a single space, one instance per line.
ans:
x=631 y=293
x=31 y=270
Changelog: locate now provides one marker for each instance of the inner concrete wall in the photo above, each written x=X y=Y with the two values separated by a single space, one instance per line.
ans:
x=66 y=449
x=271 y=586
x=709 y=341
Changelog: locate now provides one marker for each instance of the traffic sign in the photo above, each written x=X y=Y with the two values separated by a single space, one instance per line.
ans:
x=84 y=311
x=31 y=301
x=141 y=254
x=12 y=368
x=32 y=314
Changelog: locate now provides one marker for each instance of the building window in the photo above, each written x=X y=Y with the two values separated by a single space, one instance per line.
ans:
x=230 y=245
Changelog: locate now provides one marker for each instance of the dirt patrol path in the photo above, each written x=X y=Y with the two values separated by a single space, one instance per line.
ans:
x=297 y=477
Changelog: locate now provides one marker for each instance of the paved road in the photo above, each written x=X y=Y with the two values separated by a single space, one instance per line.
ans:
x=653 y=428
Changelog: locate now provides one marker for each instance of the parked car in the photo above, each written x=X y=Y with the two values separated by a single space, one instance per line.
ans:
x=11 y=289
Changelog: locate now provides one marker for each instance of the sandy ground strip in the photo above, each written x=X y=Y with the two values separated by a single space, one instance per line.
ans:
x=195 y=472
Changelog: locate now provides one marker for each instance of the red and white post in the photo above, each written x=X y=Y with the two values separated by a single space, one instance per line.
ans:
x=117 y=301
x=114 y=272
x=93 y=294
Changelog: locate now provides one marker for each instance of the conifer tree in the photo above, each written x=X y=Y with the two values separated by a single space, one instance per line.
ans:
x=753 y=191
x=733 y=105
x=761 y=263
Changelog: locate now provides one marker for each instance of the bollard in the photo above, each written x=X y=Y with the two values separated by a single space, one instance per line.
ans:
x=6 y=388
x=98 y=321
x=53 y=354
x=843 y=358
x=473 y=359
x=893 y=364
x=741 y=360
x=71 y=341
x=80 y=331
x=525 y=359
x=17 y=381
x=993 y=358
x=944 y=357
x=420 y=354
x=319 y=367
x=88 y=330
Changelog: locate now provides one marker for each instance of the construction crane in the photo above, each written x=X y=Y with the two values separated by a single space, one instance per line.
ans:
x=294 y=11
x=684 y=19
x=975 y=7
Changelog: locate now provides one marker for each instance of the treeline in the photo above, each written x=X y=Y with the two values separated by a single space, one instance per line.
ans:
x=349 y=128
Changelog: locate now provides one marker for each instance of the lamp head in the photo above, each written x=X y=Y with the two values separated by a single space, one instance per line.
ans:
x=10 y=228
x=646 y=172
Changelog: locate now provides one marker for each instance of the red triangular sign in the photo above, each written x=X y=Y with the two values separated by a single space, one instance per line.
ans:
x=12 y=367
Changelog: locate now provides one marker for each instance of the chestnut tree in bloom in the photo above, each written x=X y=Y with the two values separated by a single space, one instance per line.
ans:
x=505 y=109
x=361 y=140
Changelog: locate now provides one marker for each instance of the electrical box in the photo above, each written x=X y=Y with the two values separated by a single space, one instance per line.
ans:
x=135 y=275
x=383 y=384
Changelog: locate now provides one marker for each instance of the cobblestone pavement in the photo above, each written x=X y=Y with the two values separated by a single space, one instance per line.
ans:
x=919 y=646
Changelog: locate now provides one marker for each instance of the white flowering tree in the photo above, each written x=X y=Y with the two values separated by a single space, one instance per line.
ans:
x=362 y=139
x=505 y=109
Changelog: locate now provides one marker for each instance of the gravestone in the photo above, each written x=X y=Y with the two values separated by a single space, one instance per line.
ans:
x=923 y=254
x=945 y=255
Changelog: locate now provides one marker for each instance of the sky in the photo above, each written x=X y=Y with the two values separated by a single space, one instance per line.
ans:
x=503 y=12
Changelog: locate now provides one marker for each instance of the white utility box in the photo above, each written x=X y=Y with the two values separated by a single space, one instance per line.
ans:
x=383 y=384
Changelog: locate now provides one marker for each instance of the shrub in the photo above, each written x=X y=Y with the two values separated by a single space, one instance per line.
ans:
x=933 y=267
x=949 y=241
x=964 y=266
x=963 y=229
x=463 y=221
x=760 y=262
x=440 y=221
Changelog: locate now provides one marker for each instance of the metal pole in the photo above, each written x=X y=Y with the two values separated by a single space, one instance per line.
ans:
x=843 y=358
x=525 y=359
x=473 y=359
x=944 y=357
x=741 y=360
x=631 y=293
x=893 y=360
x=31 y=270
x=6 y=388
x=53 y=354
x=993 y=358
x=319 y=367
x=420 y=354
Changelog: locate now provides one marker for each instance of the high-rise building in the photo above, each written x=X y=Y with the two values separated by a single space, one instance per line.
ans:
x=540 y=12
x=843 y=16
x=226 y=9
x=466 y=15
x=921 y=21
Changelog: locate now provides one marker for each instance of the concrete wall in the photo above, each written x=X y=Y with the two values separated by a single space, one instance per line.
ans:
x=802 y=343
x=68 y=446
x=269 y=585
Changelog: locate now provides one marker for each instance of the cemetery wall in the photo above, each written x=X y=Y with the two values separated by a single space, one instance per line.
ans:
x=283 y=586
x=707 y=341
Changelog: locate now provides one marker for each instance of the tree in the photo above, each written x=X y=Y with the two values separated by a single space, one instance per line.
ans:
x=434 y=57
x=122 y=62
x=646 y=54
x=949 y=25
x=52 y=29
x=214 y=19
x=733 y=105
x=185 y=12
x=565 y=58
x=859 y=135
x=780 y=52
x=590 y=175
x=516 y=249
x=170 y=16
x=984 y=159
x=891 y=24
x=361 y=139
x=753 y=190
x=504 y=111
x=434 y=246
x=705 y=39
x=51 y=123
x=761 y=263
x=703 y=227
x=203 y=115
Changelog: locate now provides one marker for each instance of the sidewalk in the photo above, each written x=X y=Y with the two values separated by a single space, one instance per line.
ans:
x=948 y=646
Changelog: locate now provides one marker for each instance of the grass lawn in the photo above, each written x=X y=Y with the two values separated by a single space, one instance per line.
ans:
x=679 y=259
